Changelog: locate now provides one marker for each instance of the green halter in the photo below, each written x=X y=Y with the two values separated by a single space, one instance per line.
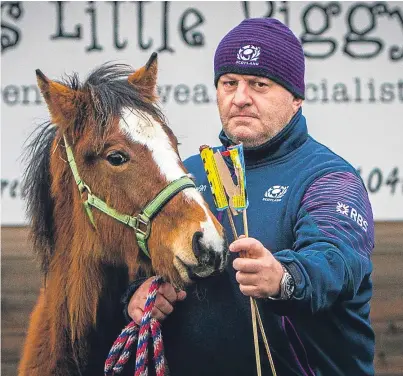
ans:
x=143 y=219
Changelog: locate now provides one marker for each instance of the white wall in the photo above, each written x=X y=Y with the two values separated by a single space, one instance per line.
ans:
x=354 y=87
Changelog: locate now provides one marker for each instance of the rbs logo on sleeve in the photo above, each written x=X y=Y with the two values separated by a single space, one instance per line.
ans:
x=353 y=214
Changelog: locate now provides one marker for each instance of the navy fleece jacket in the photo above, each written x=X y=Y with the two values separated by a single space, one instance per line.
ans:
x=310 y=208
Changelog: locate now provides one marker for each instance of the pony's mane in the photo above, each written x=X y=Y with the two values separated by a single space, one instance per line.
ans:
x=36 y=191
x=110 y=92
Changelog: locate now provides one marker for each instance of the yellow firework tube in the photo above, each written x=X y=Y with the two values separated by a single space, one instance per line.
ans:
x=213 y=177
x=239 y=200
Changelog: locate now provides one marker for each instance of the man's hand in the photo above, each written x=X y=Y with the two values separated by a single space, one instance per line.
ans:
x=258 y=272
x=166 y=298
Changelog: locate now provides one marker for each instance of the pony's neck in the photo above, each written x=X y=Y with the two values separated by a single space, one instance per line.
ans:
x=84 y=296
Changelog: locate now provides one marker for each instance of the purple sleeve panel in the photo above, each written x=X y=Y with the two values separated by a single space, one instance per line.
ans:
x=338 y=203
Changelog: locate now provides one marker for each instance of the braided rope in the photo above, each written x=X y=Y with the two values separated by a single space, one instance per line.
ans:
x=122 y=347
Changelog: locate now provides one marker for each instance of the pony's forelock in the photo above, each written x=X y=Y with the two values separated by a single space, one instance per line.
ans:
x=108 y=92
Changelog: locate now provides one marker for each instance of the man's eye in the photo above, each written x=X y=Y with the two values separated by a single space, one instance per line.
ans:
x=259 y=85
x=229 y=83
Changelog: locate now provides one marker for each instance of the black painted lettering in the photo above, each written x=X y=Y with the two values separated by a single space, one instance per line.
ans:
x=116 y=21
x=375 y=180
x=312 y=33
x=192 y=38
x=396 y=52
x=400 y=90
x=10 y=34
x=26 y=98
x=311 y=88
x=246 y=11
x=357 y=81
x=324 y=96
x=140 y=28
x=387 y=92
x=284 y=9
x=11 y=95
x=371 y=88
x=182 y=94
x=61 y=33
x=165 y=28
x=393 y=180
x=164 y=93
x=357 y=44
x=13 y=188
x=200 y=94
x=4 y=184
x=340 y=93
x=93 y=16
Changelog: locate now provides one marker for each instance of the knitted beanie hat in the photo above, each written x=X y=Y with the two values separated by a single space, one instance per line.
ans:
x=262 y=47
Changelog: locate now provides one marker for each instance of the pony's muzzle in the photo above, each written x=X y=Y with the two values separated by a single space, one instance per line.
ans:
x=210 y=261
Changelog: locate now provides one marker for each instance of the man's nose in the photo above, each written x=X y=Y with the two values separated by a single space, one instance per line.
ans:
x=242 y=96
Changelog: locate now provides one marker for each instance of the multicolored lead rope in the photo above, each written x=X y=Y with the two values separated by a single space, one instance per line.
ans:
x=122 y=348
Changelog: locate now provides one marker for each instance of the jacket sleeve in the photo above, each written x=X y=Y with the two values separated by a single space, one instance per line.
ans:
x=334 y=238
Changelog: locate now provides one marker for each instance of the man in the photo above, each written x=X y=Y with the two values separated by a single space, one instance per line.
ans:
x=311 y=232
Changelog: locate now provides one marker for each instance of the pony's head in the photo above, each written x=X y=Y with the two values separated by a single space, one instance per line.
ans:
x=108 y=139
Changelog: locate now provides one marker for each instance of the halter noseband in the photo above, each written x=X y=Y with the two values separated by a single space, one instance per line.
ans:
x=140 y=223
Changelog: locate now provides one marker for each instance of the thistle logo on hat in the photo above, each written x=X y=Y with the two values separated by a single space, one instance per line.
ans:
x=248 y=54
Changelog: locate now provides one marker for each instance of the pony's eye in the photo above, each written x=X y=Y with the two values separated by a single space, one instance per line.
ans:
x=116 y=158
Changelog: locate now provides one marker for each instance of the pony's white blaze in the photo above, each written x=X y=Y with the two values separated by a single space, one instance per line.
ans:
x=211 y=238
x=143 y=129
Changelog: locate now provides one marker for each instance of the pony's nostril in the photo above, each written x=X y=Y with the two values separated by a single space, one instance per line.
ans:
x=196 y=245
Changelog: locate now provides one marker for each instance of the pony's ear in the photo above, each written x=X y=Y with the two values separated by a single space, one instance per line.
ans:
x=61 y=100
x=145 y=78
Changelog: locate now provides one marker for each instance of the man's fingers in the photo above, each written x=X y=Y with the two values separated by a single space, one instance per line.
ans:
x=136 y=314
x=247 y=265
x=163 y=304
x=253 y=247
x=249 y=290
x=168 y=291
x=247 y=279
x=157 y=314
x=164 y=301
x=181 y=295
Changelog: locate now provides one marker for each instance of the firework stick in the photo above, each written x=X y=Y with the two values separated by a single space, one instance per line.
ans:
x=253 y=306
x=216 y=170
x=231 y=222
x=239 y=168
x=240 y=201
x=266 y=343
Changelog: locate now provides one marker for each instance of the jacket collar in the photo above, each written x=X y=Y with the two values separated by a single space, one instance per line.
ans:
x=290 y=138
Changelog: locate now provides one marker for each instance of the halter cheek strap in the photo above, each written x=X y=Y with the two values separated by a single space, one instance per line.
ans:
x=140 y=223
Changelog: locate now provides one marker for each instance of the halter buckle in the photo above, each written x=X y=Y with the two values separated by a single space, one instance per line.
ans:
x=83 y=189
x=144 y=222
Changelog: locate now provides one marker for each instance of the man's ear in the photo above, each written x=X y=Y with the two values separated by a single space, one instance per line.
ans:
x=297 y=103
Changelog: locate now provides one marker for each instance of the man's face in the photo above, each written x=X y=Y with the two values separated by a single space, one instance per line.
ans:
x=253 y=109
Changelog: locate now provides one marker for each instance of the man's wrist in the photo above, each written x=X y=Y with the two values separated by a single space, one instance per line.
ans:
x=287 y=286
x=125 y=299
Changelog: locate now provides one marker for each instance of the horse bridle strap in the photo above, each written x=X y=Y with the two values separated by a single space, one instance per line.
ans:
x=140 y=223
